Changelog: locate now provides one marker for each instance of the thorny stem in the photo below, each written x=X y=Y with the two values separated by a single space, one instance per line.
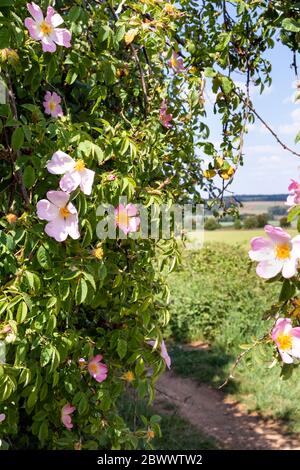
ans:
x=18 y=174
x=240 y=357
x=139 y=65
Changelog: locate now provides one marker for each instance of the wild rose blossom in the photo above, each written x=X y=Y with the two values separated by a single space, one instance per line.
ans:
x=294 y=196
x=61 y=215
x=287 y=340
x=52 y=104
x=74 y=171
x=278 y=254
x=45 y=29
x=97 y=369
x=164 y=117
x=126 y=218
x=176 y=63
x=66 y=419
x=2 y=417
x=163 y=352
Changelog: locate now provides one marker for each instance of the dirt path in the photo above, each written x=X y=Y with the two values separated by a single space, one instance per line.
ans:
x=215 y=415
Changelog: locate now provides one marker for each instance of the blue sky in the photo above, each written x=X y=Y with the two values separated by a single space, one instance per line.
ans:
x=267 y=166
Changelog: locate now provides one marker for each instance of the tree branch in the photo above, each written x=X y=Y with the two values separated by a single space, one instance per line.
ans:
x=283 y=145
x=139 y=65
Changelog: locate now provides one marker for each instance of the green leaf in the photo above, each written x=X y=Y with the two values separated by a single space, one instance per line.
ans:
x=224 y=40
x=120 y=33
x=6 y=3
x=43 y=257
x=287 y=291
x=51 y=325
x=210 y=72
x=71 y=77
x=226 y=84
x=46 y=355
x=17 y=139
x=103 y=33
x=29 y=176
x=33 y=280
x=290 y=24
x=81 y=291
x=293 y=213
x=4 y=37
x=32 y=398
x=64 y=290
x=90 y=278
x=122 y=348
x=286 y=371
x=139 y=366
x=109 y=73
x=22 y=312
x=83 y=405
x=74 y=13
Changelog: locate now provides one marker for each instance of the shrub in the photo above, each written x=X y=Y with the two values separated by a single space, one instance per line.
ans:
x=230 y=306
x=211 y=224
x=250 y=222
x=284 y=223
x=238 y=224
x=262 y=220
x=66 y=297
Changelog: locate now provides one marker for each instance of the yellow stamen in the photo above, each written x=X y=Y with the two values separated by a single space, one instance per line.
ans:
x=93 y=368
x=122 y=219
x=46 y=28
x=52 y=105
x=174 y=62
x=283 y=251
x=80 y=165
x=285 y=342
x=64 y=212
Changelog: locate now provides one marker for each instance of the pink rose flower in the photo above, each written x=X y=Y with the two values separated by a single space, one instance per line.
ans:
x=278 y=254
x=287 y=340
x=52 y=104
x=45 y=29
x=294 y=186
x=61 y=215
x=176 y=63
x=75 y=173
x=294 y=196
x=2 y=417
x=126 y=218
x=66 y=419
x=163 y=352
x=111 y=177
x=164 y=117
x=97 y=369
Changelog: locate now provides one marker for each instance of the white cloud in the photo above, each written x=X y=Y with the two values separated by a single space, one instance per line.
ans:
x=293 y=127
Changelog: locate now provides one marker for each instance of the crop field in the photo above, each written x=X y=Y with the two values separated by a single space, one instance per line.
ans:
x=259 y=207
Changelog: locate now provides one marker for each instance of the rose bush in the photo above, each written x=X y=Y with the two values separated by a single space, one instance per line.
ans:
x=80 y=317
x=104 y=100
